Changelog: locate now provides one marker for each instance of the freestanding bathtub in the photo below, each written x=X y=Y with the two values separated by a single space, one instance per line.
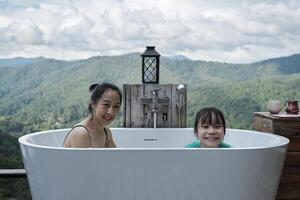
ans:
x=151 y=164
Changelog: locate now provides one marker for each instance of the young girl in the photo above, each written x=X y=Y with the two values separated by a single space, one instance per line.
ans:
x=209 y=128
x=92 y=131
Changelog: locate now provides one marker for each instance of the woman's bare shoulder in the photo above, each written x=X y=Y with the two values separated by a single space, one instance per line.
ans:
x=79 y=137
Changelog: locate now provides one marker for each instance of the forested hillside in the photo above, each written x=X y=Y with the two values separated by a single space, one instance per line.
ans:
x=45 y=93
x=40 y=94
x=10 y=158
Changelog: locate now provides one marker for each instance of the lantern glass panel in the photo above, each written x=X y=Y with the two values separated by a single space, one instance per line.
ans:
x=150 y=67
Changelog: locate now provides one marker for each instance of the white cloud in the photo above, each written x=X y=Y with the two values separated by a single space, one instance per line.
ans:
x=230 y=31
x=22 y=32
x=4 y=22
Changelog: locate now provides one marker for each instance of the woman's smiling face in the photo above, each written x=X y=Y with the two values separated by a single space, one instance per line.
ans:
x=210 y=135
x=107 y=107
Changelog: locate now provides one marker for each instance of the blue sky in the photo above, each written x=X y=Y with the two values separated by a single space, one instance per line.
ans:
x=226 y=31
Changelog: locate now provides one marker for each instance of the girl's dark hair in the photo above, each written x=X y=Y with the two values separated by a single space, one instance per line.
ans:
x=205 y=116
x=98 y=90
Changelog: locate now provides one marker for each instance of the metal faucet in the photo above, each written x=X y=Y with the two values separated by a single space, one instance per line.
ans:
x=153 y=101
x=155 y=105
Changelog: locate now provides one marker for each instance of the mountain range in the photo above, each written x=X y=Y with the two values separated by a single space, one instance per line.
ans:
x=41 y=93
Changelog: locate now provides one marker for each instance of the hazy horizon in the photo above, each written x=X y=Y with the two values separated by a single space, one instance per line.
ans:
x=166 y=56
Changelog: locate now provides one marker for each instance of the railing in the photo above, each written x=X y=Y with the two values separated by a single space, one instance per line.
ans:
x=12 y=173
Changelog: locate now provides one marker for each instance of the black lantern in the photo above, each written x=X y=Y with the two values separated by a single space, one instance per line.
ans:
x=150 y=65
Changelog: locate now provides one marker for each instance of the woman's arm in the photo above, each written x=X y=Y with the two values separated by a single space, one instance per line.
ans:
x=109 y=142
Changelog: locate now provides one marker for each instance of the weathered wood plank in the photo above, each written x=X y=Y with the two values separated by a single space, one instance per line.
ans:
x=184 y=100
x=262 y=123
x=126 y=113
x=288 y=191
x=174 y=108
x=294 y=145
x=137 y=118
x=292 y=159
x=290 y=175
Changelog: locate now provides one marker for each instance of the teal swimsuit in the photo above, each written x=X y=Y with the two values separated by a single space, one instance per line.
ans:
x=197 y=144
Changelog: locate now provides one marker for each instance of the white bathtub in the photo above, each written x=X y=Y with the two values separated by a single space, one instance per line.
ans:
x=151 y=164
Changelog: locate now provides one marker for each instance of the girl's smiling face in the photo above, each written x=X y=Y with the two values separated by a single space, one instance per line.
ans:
x=210 y=134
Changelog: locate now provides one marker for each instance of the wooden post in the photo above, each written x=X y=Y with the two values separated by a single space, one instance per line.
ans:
x=289 y=186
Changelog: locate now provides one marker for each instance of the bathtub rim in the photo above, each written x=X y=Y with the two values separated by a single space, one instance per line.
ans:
x=23 y=141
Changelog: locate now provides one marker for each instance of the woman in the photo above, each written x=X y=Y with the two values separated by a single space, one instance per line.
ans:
x=92 y=131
